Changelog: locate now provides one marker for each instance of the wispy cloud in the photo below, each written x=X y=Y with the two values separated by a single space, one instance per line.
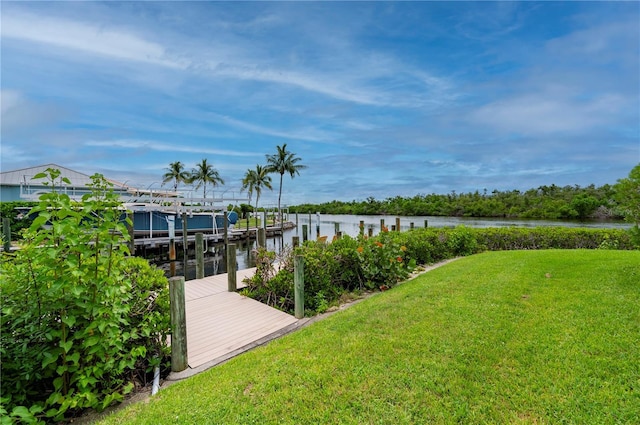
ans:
x=166 y=147
x=113 y=43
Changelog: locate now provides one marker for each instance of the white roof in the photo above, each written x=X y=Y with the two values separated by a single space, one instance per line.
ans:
x=24 y=176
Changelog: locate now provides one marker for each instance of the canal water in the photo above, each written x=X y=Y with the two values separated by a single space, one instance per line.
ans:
x=326 y=225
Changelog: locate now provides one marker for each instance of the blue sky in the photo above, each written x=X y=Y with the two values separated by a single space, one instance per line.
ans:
x=377 y=98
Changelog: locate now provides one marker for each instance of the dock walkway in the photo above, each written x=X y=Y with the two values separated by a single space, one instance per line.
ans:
x=220 y=323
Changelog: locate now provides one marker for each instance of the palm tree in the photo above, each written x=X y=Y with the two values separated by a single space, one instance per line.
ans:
x=282 y=162
x=177 y=173
x=255 y=181
x=205 y=173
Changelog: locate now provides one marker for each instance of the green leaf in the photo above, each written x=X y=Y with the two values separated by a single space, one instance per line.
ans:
x=21 y=412
x=66 y=346
x=48 y=359
x=91 y=341
x=69 y=321
x=39 y=176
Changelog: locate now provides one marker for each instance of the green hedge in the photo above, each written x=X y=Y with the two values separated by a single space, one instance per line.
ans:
x=355 y=264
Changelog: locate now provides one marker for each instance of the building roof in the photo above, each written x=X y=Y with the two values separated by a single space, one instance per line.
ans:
x=24 y=176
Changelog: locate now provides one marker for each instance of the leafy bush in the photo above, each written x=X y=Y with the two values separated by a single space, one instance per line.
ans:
x=347 y=264
x=78 y=317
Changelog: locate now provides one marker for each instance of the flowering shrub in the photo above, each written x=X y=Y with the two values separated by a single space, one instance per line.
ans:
x=382 y=260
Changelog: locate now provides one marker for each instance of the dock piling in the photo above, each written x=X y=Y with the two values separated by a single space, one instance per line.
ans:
x=179 y=359
x=231 y=268
x=199 y=256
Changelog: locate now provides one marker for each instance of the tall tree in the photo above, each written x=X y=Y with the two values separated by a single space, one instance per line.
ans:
x=283 y=161
x=177 y=174
x=627 y=193
x=255 y=181
x=205 y=173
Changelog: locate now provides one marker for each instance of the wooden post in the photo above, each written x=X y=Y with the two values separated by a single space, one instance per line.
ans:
x=338 y=235
x=199 y=256
x=381 y=224
x=179 y=359
x=264 y=221
x=298 y=283
x=426 y=224
x=296 y=222
x=370 y=231
x=262 y=238
x=411 y=225
x=361 y=227
x=172 y=257
x=398 y=224
x=231 y=268
x=305 y=235
x=393 y=227
x=295 y=241
x=226 y=228
x=185 y=244
x=6 y=233
x=336 y=225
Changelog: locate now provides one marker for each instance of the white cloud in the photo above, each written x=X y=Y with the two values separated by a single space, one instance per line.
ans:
x=165 y=147
x=541 y=114
x=85 y=37
x=308 y=134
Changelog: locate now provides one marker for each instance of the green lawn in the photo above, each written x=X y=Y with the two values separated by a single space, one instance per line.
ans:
x=525 y=337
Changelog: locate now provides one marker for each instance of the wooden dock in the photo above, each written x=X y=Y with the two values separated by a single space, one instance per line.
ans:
x=220 y=322
x=141 y=240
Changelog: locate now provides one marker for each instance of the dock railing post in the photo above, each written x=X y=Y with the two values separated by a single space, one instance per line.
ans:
x=298 y=283
x=199 y=256
x=336 y=226
x=226 y=228
x=305 y=235
x=381 y=224
x=179 y=359
x=398 y=224
x=231 y=268
x=426 y=224
x=262 y=238
x=361 y=226
x=185 y=245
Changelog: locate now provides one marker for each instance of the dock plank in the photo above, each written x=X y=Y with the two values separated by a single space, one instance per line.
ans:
x=220 y=322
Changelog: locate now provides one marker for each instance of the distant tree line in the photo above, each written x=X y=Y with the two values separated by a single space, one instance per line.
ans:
x=545 y=202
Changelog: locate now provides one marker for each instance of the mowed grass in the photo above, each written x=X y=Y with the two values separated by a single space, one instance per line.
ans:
x=528 y=337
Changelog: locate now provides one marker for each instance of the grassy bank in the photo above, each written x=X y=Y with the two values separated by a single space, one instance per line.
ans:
x=499 y=337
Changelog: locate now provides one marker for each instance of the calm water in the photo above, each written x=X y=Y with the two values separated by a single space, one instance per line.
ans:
x=215 y=260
